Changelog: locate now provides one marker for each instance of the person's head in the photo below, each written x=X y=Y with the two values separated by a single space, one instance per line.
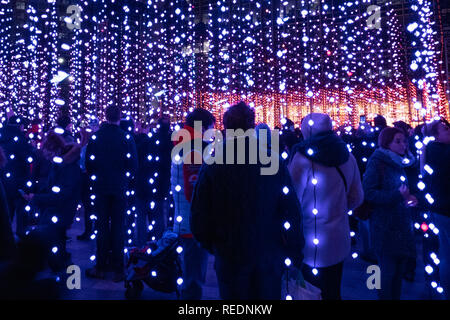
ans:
x=402 y=125
x=315 y=123
x=64 y=122
x=380 y=122
x=53 y=145
x=112 y=114
x=440 y=130
x=204 y=116
x=393 y=139
x=239 y=116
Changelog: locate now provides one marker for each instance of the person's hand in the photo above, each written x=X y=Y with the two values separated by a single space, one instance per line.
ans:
x=404 y=191
x=411 y=201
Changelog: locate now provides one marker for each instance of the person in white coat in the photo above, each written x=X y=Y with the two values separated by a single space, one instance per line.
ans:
x=328 y=185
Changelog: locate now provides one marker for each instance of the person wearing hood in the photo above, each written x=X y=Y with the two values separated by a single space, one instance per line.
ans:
x=59 y=198
x=328 y=184
x=387 y=189
x=183 y=178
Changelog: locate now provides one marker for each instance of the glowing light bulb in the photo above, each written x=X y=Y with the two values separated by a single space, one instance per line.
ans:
x=287 y=262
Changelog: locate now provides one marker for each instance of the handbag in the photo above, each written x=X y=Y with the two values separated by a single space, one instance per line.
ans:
x=299 y=289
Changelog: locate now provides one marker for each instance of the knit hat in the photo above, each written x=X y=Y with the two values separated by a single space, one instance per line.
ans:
x=315 y=123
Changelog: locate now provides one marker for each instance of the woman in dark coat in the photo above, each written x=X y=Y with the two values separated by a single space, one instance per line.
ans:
x=59 y=199
x=386 y=188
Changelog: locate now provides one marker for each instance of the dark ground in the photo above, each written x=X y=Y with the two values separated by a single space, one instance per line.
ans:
x=353 y=283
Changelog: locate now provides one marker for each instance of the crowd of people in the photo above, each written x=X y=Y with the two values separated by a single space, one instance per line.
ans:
x=122 y=177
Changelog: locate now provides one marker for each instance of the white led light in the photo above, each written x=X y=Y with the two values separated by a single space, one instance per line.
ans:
x=57 y=159
x=287 y=262
x=429 y=269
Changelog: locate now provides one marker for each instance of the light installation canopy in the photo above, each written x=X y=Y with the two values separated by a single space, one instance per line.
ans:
x=285 y=58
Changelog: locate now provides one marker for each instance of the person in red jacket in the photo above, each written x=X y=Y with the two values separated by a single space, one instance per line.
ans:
x=183 y=178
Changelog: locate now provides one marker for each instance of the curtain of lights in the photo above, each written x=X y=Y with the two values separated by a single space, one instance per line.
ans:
x=286 y=58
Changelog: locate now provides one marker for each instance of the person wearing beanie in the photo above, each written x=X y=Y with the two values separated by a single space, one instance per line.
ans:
x=328 y=185
x=389 y=191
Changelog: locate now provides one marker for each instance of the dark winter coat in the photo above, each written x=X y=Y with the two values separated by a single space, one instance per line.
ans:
x=238 y=214
x=391 y=225
x=115 y=155
x=14 y=143
x=162 y=139
x=63 y=200
x=438 y=183
x=40 y=170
